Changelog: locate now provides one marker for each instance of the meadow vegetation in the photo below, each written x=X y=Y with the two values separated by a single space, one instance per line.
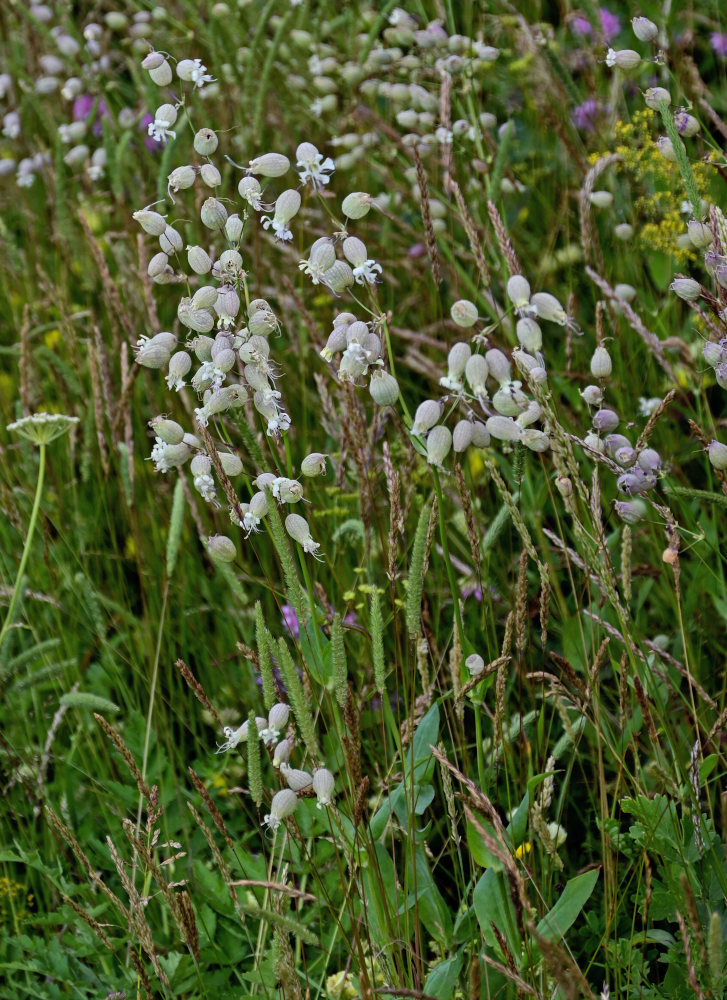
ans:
x=363 y=469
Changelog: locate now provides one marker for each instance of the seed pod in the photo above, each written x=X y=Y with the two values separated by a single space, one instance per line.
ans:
x=287 y=205
x=202 y=347
x=384 y=388
x=270 y=165
x=462 y=436
x=151 y=222
x=630 y=511
x=439 y=444
x=296 y=779
x=475 y=664
x=283 y=805
x=338 y=277
x=509 y=400
x=601 y=366
x=686 y=124
x=529 y=334
x=649 y=460
x=314 y=464
x=288 y=490
x=592 y=395
x=259 y=504
x=354 y=250
x=634 y=482
x=199 y=260
x=665 y=148
x=179 y=365
x=205 y=142
x=213 y=214
x=627 y=293
x=503 y=429
x=153 y=354
x=426 y=416
x=227 y=304
x=221 y=548
x=480 y=435
x=323 y=784
x=278 y=716
x=356 y=205
x=613 y=442
x=464 y=313
x=530 y=415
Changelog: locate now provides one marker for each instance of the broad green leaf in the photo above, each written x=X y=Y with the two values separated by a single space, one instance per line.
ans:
x=442 y=980
x=574 y=897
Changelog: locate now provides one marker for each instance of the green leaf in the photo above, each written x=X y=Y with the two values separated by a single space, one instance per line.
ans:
x=576 y=894
x=493 y=905
x=420 y=755
x=442 y=980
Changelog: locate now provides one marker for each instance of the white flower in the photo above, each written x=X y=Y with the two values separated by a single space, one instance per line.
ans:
x=314 y=168
x=205 y=486
x=11 y=125
x=250 y=523
x=366 y=272
x=160 y=130
x=199 y=76
x=157 y=456
x=280 y=227
x=317 y=107
x=234 y=736
x=175 y=382
x=647 y=406
x=25 y=178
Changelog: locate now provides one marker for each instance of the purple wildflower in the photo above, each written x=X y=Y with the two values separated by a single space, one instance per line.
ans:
x=290 y=621
x=581 y=26
x=586 y=115
x=718 y=41
x=83 y=108
x=610 y=24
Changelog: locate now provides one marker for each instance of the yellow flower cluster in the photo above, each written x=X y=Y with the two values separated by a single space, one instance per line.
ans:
x=659 y=181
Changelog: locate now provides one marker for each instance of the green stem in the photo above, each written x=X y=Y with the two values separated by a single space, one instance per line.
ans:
x=26 y=549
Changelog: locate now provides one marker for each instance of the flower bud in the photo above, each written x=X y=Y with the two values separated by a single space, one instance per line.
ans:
x=686 y=124
x=623 y=58
x=287 y=205
x=480 y=435
x=157 y=265
x=354 y=250
x=233 y=229
x=179 y=365
x=314 y=464
x=644 y=29
x=384 y=388
x=518 y=291
x=601 y=199
x=221 y=548
x=498 y=365
x=717 y=454
x=153 y=354
x=535 y=440
x=439 y=444
x=201 y=465
x=601 y=366
x=168 y=430
x=296 y=779
x=605 y=421
x=181 y=178
x=462 y=436
x=151 y=222
x=170 y=241
x=700 y=234
x=258 y=505
x=503 y=429
x=249 y=189
x=278 y=716
x=210 y=175
x=549 y=308
x=623 y=231
x=686 y=288
x=630 y=511
x=323 y=784
x=338 y=277
x=464 y=313
x=199 y=260
x=270 y=165
x=281 y=754
x=665 y=148
x=283 y=805
x=356 y=205
x=476 y=371
x=231 y=464
x=213 y=214
x=649 y=460
x=426 y=416
x=205 y=142
x=475 y=664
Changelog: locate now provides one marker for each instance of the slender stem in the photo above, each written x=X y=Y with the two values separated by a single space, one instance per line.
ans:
x=26 y=549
